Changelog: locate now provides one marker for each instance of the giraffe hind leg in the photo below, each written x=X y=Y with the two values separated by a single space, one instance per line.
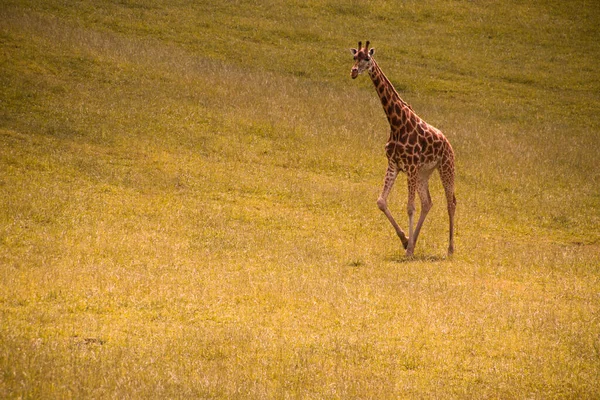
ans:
x=447 y=177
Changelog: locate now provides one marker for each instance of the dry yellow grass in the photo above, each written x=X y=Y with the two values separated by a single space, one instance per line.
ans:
x=182 y=218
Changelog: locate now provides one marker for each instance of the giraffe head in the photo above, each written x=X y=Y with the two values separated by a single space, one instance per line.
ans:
x=363 y=59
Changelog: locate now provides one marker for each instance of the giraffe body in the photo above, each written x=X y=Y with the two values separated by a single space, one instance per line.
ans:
x=413 y=147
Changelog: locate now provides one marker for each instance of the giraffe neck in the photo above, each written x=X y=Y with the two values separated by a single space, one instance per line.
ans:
x=400 y=115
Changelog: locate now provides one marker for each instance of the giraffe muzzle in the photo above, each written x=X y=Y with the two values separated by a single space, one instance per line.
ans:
x=354 y=73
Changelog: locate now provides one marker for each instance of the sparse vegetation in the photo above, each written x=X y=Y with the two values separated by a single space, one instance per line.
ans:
x=188 y=201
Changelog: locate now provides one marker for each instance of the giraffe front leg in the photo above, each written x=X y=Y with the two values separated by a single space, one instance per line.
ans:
x=410 y=248
x=426 y=204
x=390 y=178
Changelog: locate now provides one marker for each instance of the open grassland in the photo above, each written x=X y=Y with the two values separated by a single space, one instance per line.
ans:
x=187 y=201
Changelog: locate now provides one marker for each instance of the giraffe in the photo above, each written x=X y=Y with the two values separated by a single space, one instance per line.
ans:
x=413 y=147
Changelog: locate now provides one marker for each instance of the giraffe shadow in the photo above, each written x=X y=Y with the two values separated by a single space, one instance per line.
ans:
x=401 y=258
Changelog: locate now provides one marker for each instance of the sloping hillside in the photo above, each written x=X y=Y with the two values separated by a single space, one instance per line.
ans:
x=188 y=201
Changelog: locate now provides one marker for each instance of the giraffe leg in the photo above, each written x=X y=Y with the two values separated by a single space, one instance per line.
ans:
x=426 y=204
x=390 y=178
x=412 y=185
x=447 y=176
x=417 y=182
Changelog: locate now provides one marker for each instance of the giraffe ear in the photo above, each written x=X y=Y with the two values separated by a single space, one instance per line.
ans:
x=371 y=52
x=353 y=51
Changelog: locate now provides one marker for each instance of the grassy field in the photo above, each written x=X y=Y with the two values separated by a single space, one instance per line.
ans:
x=188 y=201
